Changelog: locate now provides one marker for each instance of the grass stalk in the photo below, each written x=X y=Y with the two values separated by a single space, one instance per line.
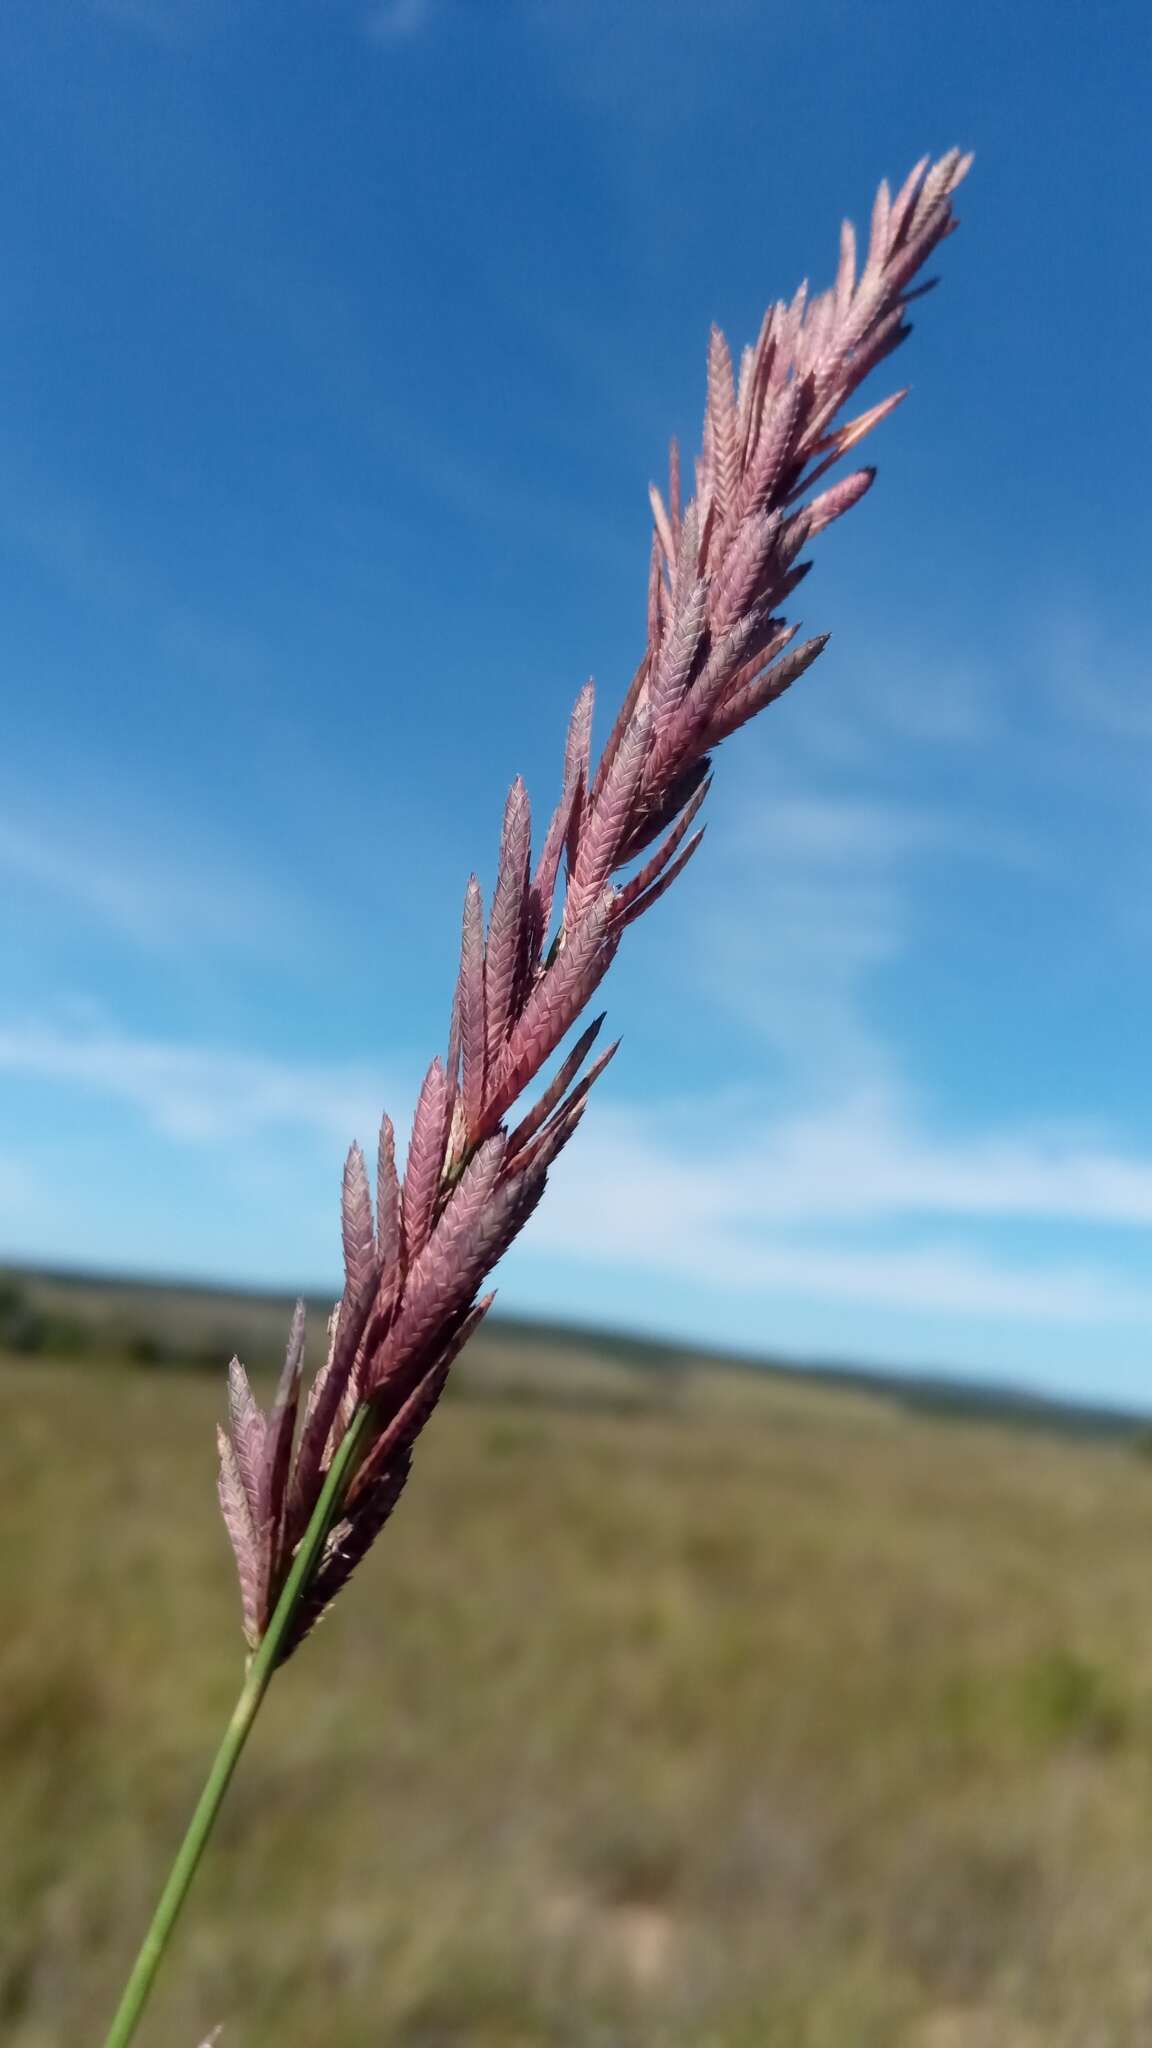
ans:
x=417 y=1250
x=260 y=1670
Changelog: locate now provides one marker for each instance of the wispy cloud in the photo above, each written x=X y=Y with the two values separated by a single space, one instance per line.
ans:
x=73 y=542
x=607 y=54
x=162 y=20
x=17 y=1184
x=796 y=957
x=768 y=1210
x=197 y=1094
x=1097 y=680
x=396 y=21
x=867 y=1198
x=859 y=831
x=144 y=894
x=947 y=707
x=763 y=1212
x=867 y=1158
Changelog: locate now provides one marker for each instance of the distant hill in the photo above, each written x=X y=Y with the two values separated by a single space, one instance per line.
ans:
x=177 y=1324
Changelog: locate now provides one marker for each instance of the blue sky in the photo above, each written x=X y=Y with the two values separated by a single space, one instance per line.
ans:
x=338 y=343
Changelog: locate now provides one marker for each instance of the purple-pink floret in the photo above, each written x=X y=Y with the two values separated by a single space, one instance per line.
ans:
x=719 y=650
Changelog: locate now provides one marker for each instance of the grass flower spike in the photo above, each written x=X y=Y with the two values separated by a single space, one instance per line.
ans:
x=306 y=1486
x=719 y=650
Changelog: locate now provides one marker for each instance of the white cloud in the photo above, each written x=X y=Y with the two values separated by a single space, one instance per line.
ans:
x=95 y=564
x=197 y=1094
x=830 y=1181
x=1097 y=680
x=943 y=707
x=727 y=1196
x=795 y=955
x=143 y=893
x=17 y=1185
x=793 y=960
x=866 y=1159
x=394 y=21
x=858 y=831
x=162 y=20
x=607 y=54
x=766 y=1209
x=863 y=1200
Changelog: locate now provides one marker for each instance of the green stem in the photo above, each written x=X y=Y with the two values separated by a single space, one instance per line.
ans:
x=235 y=1736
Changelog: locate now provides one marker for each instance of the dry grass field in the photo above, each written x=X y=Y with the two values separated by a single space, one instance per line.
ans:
x=682 y=1706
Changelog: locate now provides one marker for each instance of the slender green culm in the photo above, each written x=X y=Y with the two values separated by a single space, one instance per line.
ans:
x=264 y=1662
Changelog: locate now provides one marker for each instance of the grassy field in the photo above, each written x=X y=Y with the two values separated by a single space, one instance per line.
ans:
x=679 y=1706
